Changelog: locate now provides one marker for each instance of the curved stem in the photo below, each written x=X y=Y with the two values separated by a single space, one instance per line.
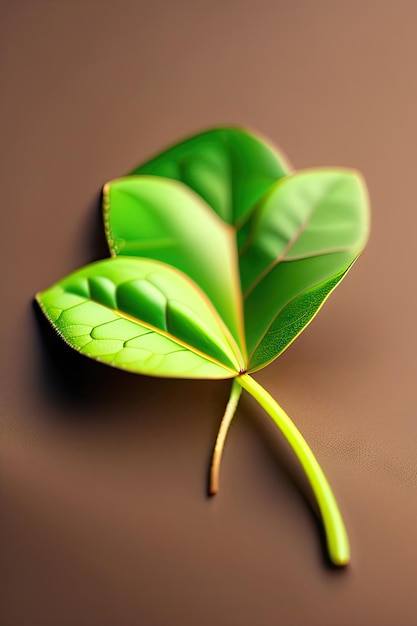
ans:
x=336 y=536
x=221 y=437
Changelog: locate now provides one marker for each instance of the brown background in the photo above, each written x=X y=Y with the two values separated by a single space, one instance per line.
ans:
x=104 y=518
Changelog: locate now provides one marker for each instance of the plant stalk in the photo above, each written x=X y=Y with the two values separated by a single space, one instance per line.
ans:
x=336 y=535
x=221 y=436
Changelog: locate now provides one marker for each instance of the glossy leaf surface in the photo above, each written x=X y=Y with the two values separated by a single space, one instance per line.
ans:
x=142 y=316
x=163 y=220
x=230 y=168
x=304 y=236
x=301 y=238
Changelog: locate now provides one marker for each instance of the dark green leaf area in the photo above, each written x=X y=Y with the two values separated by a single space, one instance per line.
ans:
x=143 y=301
x=291 y=321
x=141 y=315
x=230 y=168
x=286 y=281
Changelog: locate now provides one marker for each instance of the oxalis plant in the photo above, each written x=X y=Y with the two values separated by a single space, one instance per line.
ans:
x=221 y=254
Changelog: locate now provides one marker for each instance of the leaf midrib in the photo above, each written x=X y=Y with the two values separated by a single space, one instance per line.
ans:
x=155 y=329
x=229 y=228
x=282 y=256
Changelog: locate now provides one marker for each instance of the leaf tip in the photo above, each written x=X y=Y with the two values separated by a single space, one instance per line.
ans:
x=106 y=189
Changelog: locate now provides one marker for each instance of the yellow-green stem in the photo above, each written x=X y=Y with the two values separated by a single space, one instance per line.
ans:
x=336 y=535
x=221 y=436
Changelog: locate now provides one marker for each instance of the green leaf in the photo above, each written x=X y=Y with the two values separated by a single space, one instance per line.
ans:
x=300 y=239
x=163 y=220
x=230 y=168
x=305 y=234
x=142 y=316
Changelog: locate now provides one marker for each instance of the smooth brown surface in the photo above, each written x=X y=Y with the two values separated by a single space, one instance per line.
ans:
x=104 y=517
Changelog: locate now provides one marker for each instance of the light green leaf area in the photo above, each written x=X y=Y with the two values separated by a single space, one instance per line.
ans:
x=163 y=220
x=230 y=168
x=143 y=316
x=305 y=234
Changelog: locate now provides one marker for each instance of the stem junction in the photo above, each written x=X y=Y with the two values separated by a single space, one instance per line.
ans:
x=336 y=535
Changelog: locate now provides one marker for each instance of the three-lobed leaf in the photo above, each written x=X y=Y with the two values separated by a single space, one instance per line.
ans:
x=291 y=249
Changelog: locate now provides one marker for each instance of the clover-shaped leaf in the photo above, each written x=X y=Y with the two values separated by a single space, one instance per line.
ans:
x=222 y=256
